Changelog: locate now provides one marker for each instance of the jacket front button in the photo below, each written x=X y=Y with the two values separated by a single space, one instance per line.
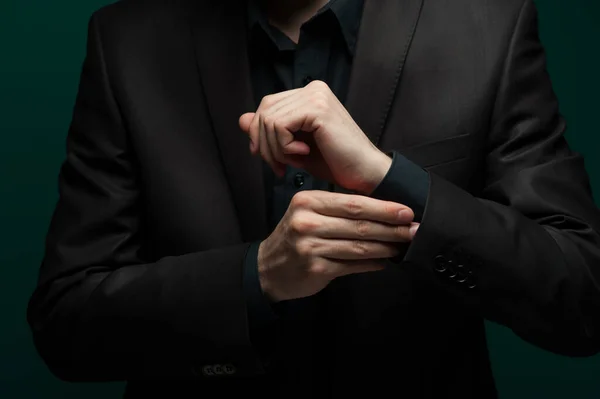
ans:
x=298 y=180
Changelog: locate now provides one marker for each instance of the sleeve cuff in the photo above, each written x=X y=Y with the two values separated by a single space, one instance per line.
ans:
x=260 y=312
x=406 y=183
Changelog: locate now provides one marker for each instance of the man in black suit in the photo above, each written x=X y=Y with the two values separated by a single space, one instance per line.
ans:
x=314 y=199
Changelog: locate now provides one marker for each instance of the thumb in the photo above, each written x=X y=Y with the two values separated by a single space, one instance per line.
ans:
x=245 y=121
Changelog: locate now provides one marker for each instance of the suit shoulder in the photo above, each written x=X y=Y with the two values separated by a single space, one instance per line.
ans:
x=493 y=20
x=130 y=15
x=136 y=27
x=504 y=10
x=500 y=10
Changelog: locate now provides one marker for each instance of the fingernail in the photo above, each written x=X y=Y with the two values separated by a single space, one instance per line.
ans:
x=413 y=230
x=403 y=215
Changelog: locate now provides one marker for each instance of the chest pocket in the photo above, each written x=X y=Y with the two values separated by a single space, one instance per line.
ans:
x=452 y=158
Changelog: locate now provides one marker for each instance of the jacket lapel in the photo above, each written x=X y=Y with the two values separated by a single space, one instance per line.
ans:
x=221 y=51
x=385 y=35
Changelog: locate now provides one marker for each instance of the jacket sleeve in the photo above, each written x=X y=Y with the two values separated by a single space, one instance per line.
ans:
x=101 y=311
x=262 y=313
x=524 y=252
x=406 y=183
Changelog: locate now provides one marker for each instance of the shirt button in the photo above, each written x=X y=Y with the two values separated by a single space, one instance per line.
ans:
x=307 y=80
x=298 y=180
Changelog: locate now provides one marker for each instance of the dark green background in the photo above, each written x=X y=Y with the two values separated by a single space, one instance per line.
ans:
x=42 y=45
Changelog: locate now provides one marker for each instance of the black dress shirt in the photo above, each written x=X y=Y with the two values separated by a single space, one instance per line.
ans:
x=324 y=51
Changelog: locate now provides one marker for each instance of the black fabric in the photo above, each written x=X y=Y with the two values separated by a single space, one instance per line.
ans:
x=406 y=184
x=324 y=51
x=160 y=200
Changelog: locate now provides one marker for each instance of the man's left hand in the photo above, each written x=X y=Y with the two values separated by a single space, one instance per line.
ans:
x=310 y=129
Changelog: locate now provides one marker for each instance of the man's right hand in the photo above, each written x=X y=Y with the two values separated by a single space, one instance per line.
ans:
x=326 y=235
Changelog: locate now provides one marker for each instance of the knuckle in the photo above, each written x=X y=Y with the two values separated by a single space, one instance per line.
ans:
x=295 y=224
x=319 y=84
x=353 y=207
x=301 y=199
x=321 y=105
x=266 y=101
x=362 y=228
x=277 y=124
x=304 y=248
x=301 y=224
x=320 y=268
x=360 y=248
x=320 y=100
x=268 y=120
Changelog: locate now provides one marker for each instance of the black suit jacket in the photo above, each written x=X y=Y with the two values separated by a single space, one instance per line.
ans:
x=160 y=198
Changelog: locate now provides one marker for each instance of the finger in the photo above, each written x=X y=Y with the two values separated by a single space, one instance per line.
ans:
x=356 y=267
x=352 y=206
x=265 y=151
x=334 y=268
x=283 y=118
x=291 y=121
x=267 y=103
x=414 y=227
x=254 y=134
x=284 y=100
x=278 y=156
x=361 y=229
x=295 y=160
x=348 y=249
x=271 y=100
x=288 y=141
x=245 y=121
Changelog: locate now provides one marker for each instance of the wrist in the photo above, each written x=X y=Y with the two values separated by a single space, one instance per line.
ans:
x=265 y=285
x=375 y=171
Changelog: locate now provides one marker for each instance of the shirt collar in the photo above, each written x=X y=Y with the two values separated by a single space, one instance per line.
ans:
x=348 y=14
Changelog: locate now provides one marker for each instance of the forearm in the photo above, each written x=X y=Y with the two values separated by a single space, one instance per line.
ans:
x=535 y=276
x=166 y=319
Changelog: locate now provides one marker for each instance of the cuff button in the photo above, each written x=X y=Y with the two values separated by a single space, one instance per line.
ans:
x=470 y=282
x=440 y=264
x=462 y=274
x=229 y=369
x=452 y=273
